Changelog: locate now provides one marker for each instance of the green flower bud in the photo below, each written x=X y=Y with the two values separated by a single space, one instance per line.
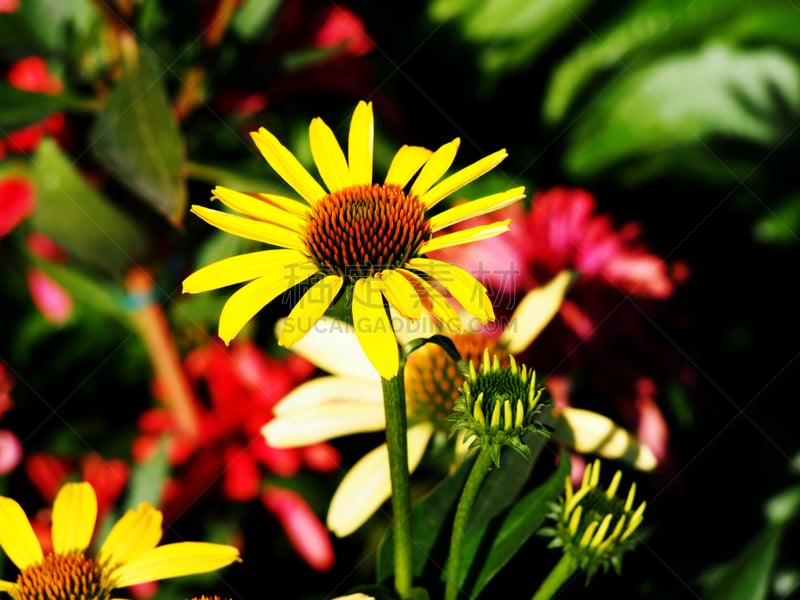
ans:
x=498 y=405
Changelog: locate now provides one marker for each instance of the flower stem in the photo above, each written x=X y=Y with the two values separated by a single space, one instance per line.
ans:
x=468 y=495
x=565 y=568
x=394 y=406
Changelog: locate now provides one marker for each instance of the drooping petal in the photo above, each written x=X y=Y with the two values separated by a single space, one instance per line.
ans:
x=256 y=208
x=324 y=390
x=74 y=517
x=137 y=532
x=17 y=538
x=248 y=300
x=241 y=268
x=359 y=144
x=590 y=432
x=436 y=303
x=284 y=163
x=285 y=203
x=250 y=229
x=309 y=309
x=175 y=560
x=465 y=236
x=534 y=312
x=469 y=292
x=406 y=162
x=461 y=178
x=324 y=422
x=400 y=293
x=8 y=586
x=367 y=485
x=328 y=156
x=373 y=328
x=474 y=208
x=326 y=345
x=436 y=166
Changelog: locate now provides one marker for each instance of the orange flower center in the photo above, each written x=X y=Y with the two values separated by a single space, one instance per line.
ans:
x=432 y=378
x=63 y=577
x=364 y=229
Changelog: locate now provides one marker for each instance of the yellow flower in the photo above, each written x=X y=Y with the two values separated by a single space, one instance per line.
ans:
x=350 y=401
x=127 y=557
x=372 y=236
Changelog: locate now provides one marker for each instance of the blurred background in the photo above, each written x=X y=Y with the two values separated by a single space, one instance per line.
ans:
x=658 y=142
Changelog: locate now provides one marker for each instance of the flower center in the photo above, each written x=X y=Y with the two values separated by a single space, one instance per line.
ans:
x=432 y=379
x=63 y=577
x=364 y=229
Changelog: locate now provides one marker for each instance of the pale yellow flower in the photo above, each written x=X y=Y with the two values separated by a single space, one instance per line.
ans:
x=353 y=231
x=349 y=401
x=128 y=556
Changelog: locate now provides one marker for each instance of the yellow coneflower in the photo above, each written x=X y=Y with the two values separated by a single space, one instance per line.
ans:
x=353 y=231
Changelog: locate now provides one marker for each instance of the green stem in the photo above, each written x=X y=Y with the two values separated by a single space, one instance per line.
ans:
x=468 y=495
x=565 y=568
x=394 y=406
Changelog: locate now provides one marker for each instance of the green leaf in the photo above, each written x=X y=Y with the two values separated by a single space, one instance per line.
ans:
x=429 y=517
x=147 y=479
x=680 y=103
x=42 y=26
x=137 y=138
x=253 y=17
x=507 y=34
x=19 y=108
x=747 y=576
x=782 y=225
x=77 y=216
x=517 y=526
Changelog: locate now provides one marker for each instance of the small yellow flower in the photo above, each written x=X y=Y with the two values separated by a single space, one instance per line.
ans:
x=128 y=556
x=372 y=236
x=350 y=401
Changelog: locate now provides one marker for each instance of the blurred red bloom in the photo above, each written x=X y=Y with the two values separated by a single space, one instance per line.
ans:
x=108 y=477
x=32 y=74
x=52 y=300
x=9 y=6
x=242 y=385
x=17 y=202
x=604 y=326
x=10 y=448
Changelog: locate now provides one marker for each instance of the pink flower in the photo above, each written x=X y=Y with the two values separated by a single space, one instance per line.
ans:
x=17 y=202
x=229 y=454
x=9 y=6
x=52 y=300
x=10 y=448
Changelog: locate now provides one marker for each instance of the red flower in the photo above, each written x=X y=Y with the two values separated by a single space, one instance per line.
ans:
x=17 y=202
x=242 y=386
x=31 y=74
x=10 y=448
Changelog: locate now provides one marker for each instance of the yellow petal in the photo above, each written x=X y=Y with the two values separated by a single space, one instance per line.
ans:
x=438 y=305
x=250 y=229
x=367 y=485
x=284 y=163
x=9 y=586
x=373 y=328
x=17 y=538
x=287 y=204
x=359 y=144
x=323 y=390
x=309 y=309
x=400 y=293
x=435 y=168
x=175 y=560
x=248 y=300
x=241 y=268
x=590 y=432
x=74 y=516
x=256 y=208
x=406 y=162
x=468 y=210
x=534 y=312
x=469 y=292
x=465 y=236
x=328 y=156
x=461 y=178
x=137 y=532
x=323 y=422
x=333 y=346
